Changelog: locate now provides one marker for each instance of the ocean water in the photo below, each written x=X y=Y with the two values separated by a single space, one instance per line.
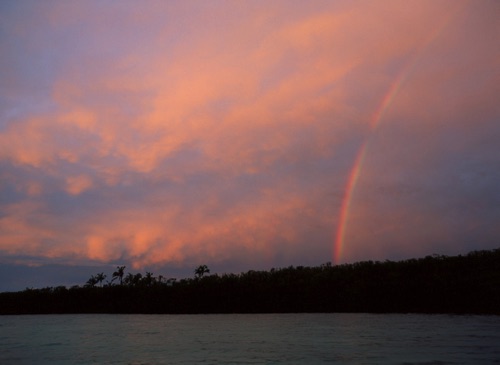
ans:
x=250 y=339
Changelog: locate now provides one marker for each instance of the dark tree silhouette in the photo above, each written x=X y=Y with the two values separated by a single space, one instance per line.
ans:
x=201 y=270
x=129 y=278
x=136 y=279
x=148 y=279
x=118 y=274
x=91 y=282
x=433 y=284
x=100 y=278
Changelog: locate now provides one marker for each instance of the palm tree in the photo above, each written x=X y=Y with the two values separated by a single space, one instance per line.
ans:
x=91 y=282
x=120 y=270
x=201 y=270
x=133 y=280
x=100 y=278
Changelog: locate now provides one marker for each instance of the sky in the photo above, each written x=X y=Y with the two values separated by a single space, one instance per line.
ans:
x=162 y=135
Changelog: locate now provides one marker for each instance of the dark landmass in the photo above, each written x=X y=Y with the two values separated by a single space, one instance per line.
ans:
x=467 y=284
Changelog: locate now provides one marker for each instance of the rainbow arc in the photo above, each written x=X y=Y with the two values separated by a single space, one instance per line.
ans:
x=373 y=124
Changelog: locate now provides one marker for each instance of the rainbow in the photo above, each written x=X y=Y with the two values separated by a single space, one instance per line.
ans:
x=374 y=123
x=346 y=202
x=357 y=167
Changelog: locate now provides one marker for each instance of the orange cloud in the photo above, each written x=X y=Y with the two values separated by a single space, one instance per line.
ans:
x=170 y=235
x=213 y=137
x=24 y=228
x=77 y=184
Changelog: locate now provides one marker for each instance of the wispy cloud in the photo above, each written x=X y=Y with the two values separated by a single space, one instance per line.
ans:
x=179 y=133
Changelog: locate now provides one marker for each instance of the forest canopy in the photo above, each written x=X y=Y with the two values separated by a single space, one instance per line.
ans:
x=433 y=284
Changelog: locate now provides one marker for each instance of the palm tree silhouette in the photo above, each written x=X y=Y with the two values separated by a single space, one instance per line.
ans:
x=118 y=274
x=100 y=278
x=91 y=282
x=133 y=280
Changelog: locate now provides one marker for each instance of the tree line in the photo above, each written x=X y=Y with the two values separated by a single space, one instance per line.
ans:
x=130 y=279
x=433 y=284
x=137 y=279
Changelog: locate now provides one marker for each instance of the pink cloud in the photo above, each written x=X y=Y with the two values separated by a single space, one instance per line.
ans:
x=215 y=137
x=77 y=184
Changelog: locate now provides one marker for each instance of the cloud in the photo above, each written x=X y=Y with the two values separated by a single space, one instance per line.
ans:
x=179 y=134
x=77 y=184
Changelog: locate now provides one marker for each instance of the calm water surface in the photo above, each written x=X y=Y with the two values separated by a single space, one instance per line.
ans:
x=250 y=339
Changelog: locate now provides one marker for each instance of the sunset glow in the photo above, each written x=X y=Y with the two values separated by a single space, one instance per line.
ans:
x=246 y=135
